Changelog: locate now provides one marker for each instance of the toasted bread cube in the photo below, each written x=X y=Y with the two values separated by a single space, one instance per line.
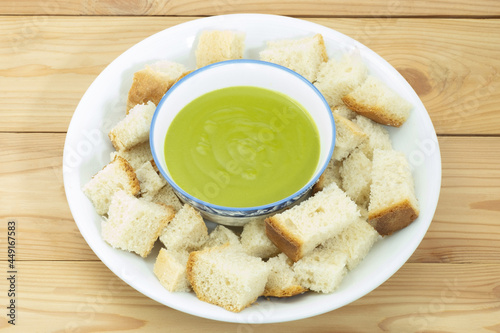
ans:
x=226 y=276
x=375 y=100
x=348 y=136
x=356 y=174
x=215 y=46
x=149 y=180
x=134 y=224
x=355 y=241
x=134 y=129
x=255 y=241
x=220 y=236
x=298 y=230
x=282 y=281
x=135 y=156
x=338 y=78
x=117 y=175
x=321 y=270
x=170 y=269
x=187 y=231
x=151 y=83
x=393 y=204
x=378 y=136
x=167 y=196
x=344 y=111
x=303 y=56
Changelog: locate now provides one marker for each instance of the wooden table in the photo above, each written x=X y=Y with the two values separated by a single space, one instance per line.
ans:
x=449 y=51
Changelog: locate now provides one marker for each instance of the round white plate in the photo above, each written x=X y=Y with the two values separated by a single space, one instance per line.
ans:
x=87 y=151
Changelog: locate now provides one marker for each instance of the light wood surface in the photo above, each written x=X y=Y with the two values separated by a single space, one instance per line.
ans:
x=452 y=64
x=448 y=51
x=329 y=8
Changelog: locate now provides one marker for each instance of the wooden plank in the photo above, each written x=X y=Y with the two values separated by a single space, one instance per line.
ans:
x=33 y=195
x=465 y=227
x=87 y=297
x=48 y=63
x=330 y=8
x=468 y=210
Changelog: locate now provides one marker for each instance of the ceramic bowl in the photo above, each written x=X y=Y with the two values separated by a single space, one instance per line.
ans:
x=233 y=73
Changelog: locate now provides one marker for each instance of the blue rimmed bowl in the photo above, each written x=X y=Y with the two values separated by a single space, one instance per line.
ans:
x=242 y=73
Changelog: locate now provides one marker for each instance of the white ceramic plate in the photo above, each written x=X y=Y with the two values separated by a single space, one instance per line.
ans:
x=87 y=150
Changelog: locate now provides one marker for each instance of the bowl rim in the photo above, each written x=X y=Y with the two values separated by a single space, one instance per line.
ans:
x=219 y=208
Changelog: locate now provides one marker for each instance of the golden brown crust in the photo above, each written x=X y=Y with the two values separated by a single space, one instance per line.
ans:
x=116 y=144
x=287 y=243
x=374 y=113
x=324 y=54
x=135 y=186
x=394 y=218
x=320 y=184
x=284 y=292
x=193 y=257
x=146 y=86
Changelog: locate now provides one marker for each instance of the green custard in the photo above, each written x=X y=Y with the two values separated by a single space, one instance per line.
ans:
x=242 y=147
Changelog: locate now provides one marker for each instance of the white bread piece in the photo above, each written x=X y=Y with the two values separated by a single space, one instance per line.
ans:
x=303 y=56
x=167 y=196
x=355 y=241
x=134 y=224
x=348 y=136
x=151 y=83
x=149 y=180
x=356 y=174
x=282 y=281
x=134 y=129
x=168 y=69
x=375 y=100
x=255 y=241
x=220 y=236
x=344 y=111
x=187 y=231
x=136 y=156
x=298 y=230
x=378 y=136
x=330 y=175
x=226 y=276
x=170 y=269
x=117 y=175
x=322 y=270
x=219 y=45
x=338 y=78
x=393 y=204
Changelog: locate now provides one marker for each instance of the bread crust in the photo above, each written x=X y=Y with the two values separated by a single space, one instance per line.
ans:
x=324 y=54
x=284 y=292
x=146 y=86
x=193 y=257
x=320 y=184
x=287 y=243
x=374 y=113
x=135 y=186
x=393 y=218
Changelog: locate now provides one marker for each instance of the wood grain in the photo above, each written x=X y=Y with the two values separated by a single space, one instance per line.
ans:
x=48 y=63
x=465 y=228
x=87 y=297
x=330 y=8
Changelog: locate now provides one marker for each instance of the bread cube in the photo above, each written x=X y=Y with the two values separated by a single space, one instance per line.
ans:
x=170 y=269
x=226 y=276
x=134 y=224
x=187 y=230
x=117 y=175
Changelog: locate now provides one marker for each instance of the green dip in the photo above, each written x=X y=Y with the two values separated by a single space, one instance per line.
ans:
x=242 y=147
